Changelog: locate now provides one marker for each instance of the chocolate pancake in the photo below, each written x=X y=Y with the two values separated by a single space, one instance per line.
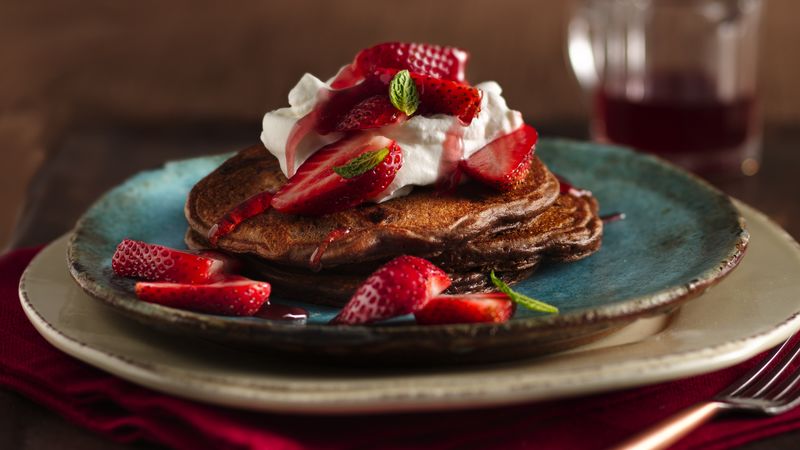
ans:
x=421 y=223
x=568 y=230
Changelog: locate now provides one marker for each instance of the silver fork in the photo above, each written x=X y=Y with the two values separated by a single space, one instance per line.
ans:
x=770 y=388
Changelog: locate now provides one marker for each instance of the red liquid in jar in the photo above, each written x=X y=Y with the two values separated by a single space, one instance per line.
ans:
x=679 y=114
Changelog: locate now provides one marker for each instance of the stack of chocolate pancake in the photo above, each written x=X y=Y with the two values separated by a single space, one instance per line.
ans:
x=467 y=233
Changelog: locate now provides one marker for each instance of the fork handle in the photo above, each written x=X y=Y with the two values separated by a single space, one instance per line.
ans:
x=670 y=430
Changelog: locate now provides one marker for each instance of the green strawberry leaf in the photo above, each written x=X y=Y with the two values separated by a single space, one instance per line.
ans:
x=522 y=299
x=362 y=163
x=403 y=92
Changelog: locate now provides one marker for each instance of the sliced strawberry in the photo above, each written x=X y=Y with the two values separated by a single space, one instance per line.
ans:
x=373 y=112
x=435 y=278
x=401 y=286
x=251 y=207
x=145 y=261
x=230 y=264
x=505 y=161
x=448 y=63
x=235 y=296
x=438 y=96
x=332 y=109
x=494 y=307
x=316 y=189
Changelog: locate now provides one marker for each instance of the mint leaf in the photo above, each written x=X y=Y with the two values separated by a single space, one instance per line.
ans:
x=521 y=299
x=362 y=163
x=403 y=92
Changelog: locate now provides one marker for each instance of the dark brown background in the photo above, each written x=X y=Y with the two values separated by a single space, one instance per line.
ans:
x=93 y=91
x=66 y=64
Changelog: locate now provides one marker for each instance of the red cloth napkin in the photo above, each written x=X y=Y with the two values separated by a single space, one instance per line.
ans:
x=126 y=412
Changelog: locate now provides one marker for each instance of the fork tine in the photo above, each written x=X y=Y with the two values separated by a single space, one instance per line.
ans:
x=755 y=374
x=767 y=390
x=774 y=393
x=787 y=398
x=789 y=385
x=770 y=376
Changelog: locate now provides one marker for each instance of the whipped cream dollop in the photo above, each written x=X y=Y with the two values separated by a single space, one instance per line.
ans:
x=426 y=141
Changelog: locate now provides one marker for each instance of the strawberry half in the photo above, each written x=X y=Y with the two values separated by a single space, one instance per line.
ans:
x=333 y=108
x=505 y=161
x=316 y=189
x=235 y=296
x=435 y=278
x=448 y=63
x=493 y=307
x=366 y=105
x=437 y=96
x=145 y=261
x=401 y=286
x=251 y=207
x=372 y=112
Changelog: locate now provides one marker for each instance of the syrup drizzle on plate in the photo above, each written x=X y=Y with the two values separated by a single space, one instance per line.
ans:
x=567 y=188
x=613 y=217
x=282 y=312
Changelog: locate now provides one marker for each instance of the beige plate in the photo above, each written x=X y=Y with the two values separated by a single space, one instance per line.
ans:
x=754 y=309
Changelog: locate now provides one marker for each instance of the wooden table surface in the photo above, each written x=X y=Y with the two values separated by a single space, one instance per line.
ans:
x=87 y=162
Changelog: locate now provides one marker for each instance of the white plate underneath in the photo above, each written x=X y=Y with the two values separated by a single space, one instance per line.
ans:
x=755 y=308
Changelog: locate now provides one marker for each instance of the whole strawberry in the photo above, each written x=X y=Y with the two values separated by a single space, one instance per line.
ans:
x=401 y=286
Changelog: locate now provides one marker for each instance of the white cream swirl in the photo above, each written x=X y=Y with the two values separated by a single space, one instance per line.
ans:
x=421 y=138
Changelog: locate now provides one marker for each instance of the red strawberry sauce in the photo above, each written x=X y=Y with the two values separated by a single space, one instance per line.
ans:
x=452 y=154
x=301 y=129
x=316 y=258
x=613 y=217
x=253 y=206
x=567 y=188
x=282 y=312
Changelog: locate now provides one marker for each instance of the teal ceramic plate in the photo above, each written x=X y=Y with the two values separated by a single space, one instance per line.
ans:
x=680 y=236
